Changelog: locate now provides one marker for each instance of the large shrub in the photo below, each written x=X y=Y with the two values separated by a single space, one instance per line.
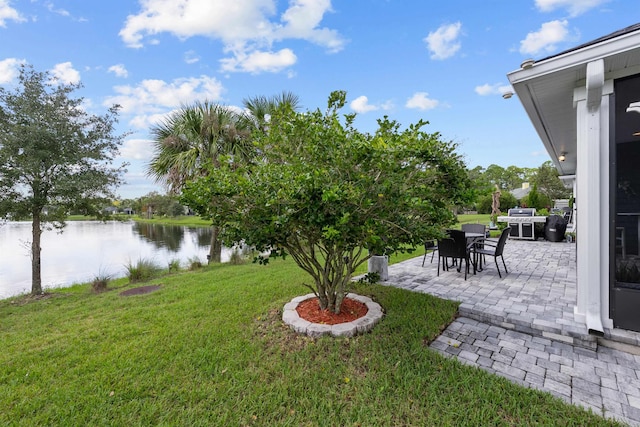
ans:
x=323 y=192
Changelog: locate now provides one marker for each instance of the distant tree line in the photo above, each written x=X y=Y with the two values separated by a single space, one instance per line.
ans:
x=154 y=203
x=543 y=181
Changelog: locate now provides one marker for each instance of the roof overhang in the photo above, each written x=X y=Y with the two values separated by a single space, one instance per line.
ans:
x=546 y=88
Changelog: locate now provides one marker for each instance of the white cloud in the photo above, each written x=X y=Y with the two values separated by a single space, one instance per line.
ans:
x=145 y=121
x=546 y=38
x=387 y=105
x=444 y=42
x=361 y=105
x=247 y=29
x=494 y=89
x=574 y=7
x=136 y=149
x=66 y=73
x=302 y=20
x=119 y=70
x=152 y=99
x=256 y=61
x=190 y=57
x=61 y=12
x=9 y=69
x=421 y=101
x=9 y=13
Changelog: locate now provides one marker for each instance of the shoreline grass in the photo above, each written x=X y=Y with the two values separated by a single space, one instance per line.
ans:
x=209 y=348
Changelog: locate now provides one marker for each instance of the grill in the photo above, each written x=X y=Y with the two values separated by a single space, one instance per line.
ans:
x=521 y=221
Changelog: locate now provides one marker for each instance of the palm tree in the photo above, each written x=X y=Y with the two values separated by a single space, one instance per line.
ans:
x=260 y=108
x=194 y=137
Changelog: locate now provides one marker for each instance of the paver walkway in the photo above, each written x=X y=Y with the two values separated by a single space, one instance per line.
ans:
x=522 y=327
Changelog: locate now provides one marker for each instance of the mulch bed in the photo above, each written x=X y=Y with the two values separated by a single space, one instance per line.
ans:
x=349 y=311
x=140 y=290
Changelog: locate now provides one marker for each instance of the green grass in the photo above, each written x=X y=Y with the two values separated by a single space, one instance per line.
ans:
x=187 y=221
x=474 y=219
x=209 y=348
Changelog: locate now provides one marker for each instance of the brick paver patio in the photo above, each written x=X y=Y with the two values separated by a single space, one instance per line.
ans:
x=522 y=327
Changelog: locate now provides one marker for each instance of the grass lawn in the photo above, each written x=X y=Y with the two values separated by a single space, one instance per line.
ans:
x=187 y=221
x=209 y=348
x=196 y=221
x=474 y=219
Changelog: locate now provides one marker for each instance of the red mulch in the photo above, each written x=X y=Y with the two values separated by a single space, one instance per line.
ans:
x=140 y=290
x=351 y=310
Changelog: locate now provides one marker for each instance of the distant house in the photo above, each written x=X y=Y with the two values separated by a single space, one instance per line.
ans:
x=520 y=193
x=585 y=105
x=110 y=210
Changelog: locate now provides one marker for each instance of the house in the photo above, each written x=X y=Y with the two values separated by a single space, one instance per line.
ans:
x=585 y=105
x=110 y=210
x=520 y=193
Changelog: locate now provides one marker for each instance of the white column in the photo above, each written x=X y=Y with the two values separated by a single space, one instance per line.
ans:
x=592 y=198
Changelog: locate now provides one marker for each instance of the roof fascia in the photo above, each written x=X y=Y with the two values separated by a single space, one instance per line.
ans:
x=577 y=58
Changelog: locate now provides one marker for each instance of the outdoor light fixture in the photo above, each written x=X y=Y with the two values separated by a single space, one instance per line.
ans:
x=634 y=106
x=527 y=63
x=562 y=157
x=507 y=95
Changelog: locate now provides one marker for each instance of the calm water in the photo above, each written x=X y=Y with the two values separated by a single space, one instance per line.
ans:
x=86 y=249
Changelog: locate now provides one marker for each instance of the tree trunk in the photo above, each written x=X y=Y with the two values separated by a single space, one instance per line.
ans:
x=215 y=252
x=338 y=303
x=36 y=275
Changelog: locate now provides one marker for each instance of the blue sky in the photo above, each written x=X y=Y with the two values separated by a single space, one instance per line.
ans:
x=441 y=61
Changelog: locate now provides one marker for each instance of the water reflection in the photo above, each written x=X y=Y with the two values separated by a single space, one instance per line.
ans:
x=162 y=236
x=88 y=248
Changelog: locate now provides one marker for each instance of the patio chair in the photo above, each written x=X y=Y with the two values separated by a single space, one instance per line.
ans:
x=454 y=247
x=494 y=249
x=432 y=246
x=476 y=228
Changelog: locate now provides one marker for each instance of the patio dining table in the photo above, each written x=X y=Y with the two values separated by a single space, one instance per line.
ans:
x=471 y=238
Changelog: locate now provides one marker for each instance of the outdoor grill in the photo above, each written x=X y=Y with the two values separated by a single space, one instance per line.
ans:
x=521 y=221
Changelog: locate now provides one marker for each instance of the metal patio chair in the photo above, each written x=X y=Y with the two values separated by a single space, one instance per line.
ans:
x=432 y=246
x=454 y=247
x=494 y=249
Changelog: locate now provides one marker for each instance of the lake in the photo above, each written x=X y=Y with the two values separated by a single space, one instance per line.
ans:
x=86 y=249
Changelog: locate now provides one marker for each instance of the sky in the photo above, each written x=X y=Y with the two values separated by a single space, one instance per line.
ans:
x=441 y=61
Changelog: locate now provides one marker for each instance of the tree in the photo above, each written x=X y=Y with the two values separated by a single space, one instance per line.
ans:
x=323 y=192
x=533 y=198
x=549 y=184
x=161 y=205
x=260 y=108
x=192 y=140
x=507 y=201
x=54 y=156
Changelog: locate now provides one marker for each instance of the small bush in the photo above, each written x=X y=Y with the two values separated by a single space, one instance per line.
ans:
x=174 y=265
x=194 y=263
x=100 y=282
x=143 y=270
x=370 y=278
x=238 y=256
